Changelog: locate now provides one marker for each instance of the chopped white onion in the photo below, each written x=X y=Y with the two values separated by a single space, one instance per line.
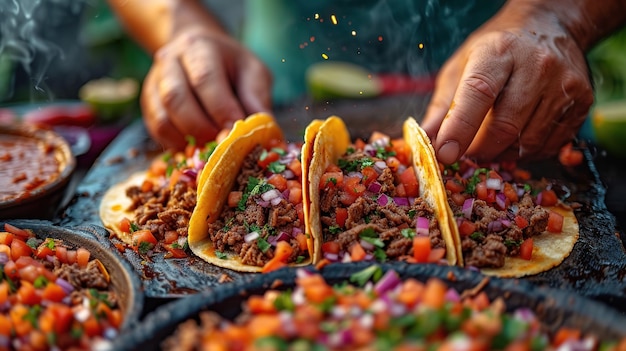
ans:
x=270 y=194
x=251 y=236
x=493 y=183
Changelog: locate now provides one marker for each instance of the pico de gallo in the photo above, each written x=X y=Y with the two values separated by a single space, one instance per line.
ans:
x=375 y=311
x=371 y=207
x=498 y=209
x=164 y=202
x=53 y=296
x=263 y=219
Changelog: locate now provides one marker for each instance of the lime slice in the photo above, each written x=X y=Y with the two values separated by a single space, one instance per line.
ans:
x=110 y=98
x=337 y=80
x=609 y=126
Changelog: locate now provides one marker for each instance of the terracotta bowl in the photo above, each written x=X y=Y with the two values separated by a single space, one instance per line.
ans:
x=555 y=308
x=43 y=201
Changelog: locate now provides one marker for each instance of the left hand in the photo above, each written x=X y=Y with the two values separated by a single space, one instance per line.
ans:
x=518 y=88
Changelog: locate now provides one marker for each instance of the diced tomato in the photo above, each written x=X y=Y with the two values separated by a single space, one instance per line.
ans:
x=400 y=191
x=341 y=214
x=278 y=181
x=91 y=326
x=283 y=251
x=354 y=186
x=347 y=199
x=22 y=233
x=27 y=294
x=82 y=257
x=331 y=179
x=300 y=211
x=510 y=193
x=4 y=292
x=491 y=196
x=295 y=195
x=493 y=174
x=53 y=292
x=125 y=225
x=5 y=325
x=434 y=293
x=481 y=191
x=43 y=250
x=296 y=167
x=19 y=249
x=555 y=222
x=393 y=163
x=454 y=185
x=521 y=222
x=233 y=198
x=411 y=185
x=548 y=198
x=570 y=157
x=436 y=254
x=564 y=334
x=521 y=175
x=357 y=253
x=158 y=167
x=466 y=228
x=10 y=270
x=190 y=149
x=458 y=198
x=6 y=238
x=141 y=236
x=403 y=151
x=259 y=304
x=20 y=323
x=273 y=265
x=302 y=241
x=174 y=252
x=359 y=144
x=526 y=249
x=369 y=175
x=71 y=256
x=410 y=292
x=267 y=158
x=61 y=253
x=421 y=248
x=170 y=236
x=63 y=317
x=331 y=247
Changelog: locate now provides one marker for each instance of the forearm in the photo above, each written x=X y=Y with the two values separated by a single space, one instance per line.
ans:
x=587 y=21
x=153 y=23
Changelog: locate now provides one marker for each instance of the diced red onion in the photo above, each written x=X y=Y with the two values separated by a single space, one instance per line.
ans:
x=288 y=174
x=283 y=236
x=401 y=169
x=185 y=178
x=398 y=310
x=367 y=246
x=295 y=231
x=524 y=314
x=368 y=257
x=538 y=199
x=286 y=159
x=375 y=187
x=520 y=190
x=506 y=176
x=331 y=256
x=383 y=200
x=494 y=226
x=506 y=223
x=380 y=165
x=272 y=240
x=285 y=194
x=468 y=206
x=452 y=295
x=4 y=258
x=401 y=201
x=303 y=273
x=191 y=173
x=65 y=285
x=355 y=175
x=369 y=149
x=275 y=201
x=473 y=268
x=493 y=183
x=388 y=282
x=501 y=200
x=270 y=194
x=421 y=226
x=251 y=236
x=469 y=173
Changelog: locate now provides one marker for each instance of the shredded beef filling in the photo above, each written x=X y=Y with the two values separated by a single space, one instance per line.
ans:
x=366 y=214
x=228 y=232
x=490 y=243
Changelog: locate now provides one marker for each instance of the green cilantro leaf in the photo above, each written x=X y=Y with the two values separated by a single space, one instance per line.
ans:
x=334 y=229
x=374 y=241
x=408 y=233
x=221 y=255
x=50 y=244
x=276 y=167
x=412 y=212
x=144 y=247
x=134 y=227
x=279 y=151
x=477 y=236
x=283 y=302
x=208 y=150
x=40 y=282
x=190 y=140
x=380 y=255
x=263 y=244
x=373 y=272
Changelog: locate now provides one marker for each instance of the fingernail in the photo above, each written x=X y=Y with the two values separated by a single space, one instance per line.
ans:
x=448 y=152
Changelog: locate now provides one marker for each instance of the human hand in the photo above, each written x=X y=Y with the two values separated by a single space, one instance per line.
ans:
x=518 y=88
x=200 y=83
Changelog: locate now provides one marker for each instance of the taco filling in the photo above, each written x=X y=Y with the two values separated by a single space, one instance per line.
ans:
x=499 y=212
x=371 y=209
x=263 y=216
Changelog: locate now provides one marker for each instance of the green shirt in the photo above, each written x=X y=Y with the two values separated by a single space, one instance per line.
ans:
x=393 y=36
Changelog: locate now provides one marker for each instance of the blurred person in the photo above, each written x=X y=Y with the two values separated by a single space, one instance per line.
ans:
x=512 y=77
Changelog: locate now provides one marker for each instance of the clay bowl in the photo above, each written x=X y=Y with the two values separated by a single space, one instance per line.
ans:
x=124 y=281
x=552 y=307
x=42 y=201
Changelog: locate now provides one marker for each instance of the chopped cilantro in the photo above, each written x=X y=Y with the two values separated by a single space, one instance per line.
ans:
x=50 y=244
x=373 y=272
x=186 y=245
x=133 y=227
x=355 y=165
x=252 y=227
x=51 y=338
x=166 y=156
x=209 y=148
x=190 y=140
x=382 y=153
x=374 y=241
x=144 y=247
x=182 y=164
x=99 y=297
x=334 y=229
x=512 y=243
x=255 y=186
x=412 y=212
x=32 y=315
x=527 y=188
x=176 y=246
x=276 y=167
x=369 y=233
x=221 y=255
x=333 y=180
x=327 y=304
x=279 y=151
x=367 y=219
x=380 y=255
x=477 y=236
x=76 y=332
x=263 y=244
x=300 y=259
x=40 y=282
x=475 y=179
x=283 y=302
x=33 y=242
x=350 y=150
x=408 y=233
x=169 y=170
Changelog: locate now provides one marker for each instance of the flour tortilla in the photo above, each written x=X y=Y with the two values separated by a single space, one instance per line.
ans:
x=114 y=206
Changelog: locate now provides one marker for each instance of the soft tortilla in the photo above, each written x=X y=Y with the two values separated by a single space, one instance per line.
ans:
x=549 y=250
x=218 y=184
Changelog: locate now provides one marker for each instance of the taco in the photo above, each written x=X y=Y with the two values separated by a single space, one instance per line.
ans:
x=249 y=214
x=150 y=210
x=509 y=225
x=379 y=200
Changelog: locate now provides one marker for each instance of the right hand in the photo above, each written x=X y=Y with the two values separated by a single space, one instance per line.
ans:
x=200 y=83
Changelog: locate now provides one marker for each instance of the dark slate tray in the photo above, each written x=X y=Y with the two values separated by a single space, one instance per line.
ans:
x=596 y=268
